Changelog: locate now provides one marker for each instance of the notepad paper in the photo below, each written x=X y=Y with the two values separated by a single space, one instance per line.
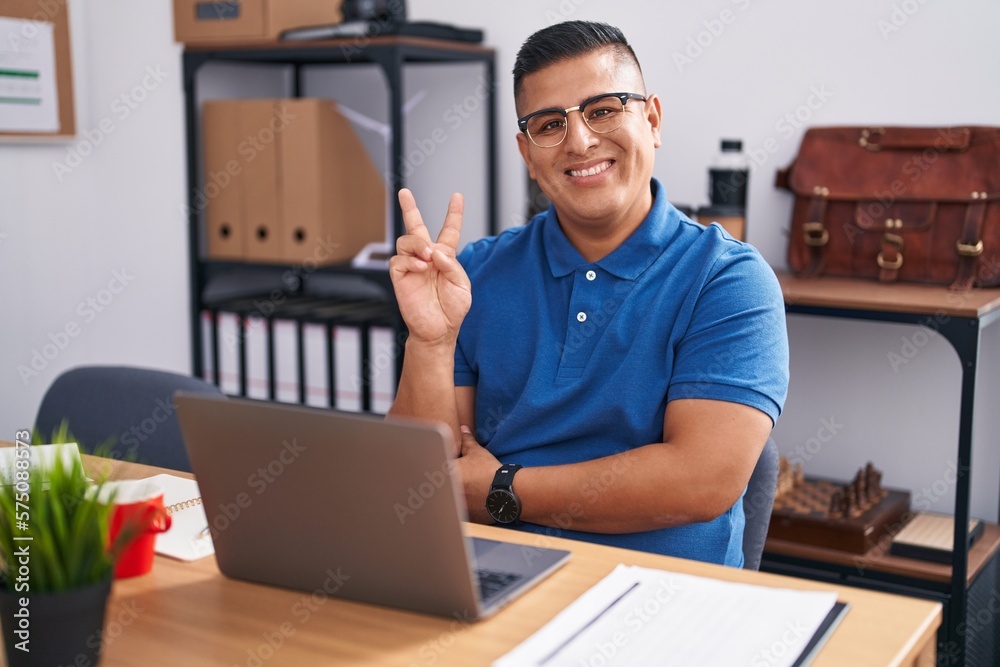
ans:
x=185 y=539
x=641 y=616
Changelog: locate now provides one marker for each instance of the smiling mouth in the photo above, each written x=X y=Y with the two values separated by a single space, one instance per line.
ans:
x=592 y=171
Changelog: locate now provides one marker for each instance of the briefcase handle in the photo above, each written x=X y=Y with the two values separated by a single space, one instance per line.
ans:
x=914 y=138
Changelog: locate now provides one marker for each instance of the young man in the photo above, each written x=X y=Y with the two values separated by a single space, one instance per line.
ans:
x=611 y=370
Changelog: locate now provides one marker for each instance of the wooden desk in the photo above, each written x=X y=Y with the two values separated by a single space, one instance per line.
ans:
x=189 y=614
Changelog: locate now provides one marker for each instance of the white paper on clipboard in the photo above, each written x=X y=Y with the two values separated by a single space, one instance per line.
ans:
x=29 y=99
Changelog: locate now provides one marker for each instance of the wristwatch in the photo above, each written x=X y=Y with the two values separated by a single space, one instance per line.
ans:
x=501 y=502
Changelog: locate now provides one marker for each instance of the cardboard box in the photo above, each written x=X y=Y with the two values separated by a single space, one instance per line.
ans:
x=207 y=22
x=301 y=188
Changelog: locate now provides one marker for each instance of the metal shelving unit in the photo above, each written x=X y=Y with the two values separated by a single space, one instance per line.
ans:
x=963 y=590
x=391 y=55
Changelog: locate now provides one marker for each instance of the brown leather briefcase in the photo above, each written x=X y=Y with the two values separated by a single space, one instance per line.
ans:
x=915 y=204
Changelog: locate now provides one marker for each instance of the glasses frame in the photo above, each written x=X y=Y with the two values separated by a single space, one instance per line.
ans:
x=522 y=122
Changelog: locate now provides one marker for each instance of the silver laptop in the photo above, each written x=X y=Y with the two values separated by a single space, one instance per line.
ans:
x=358 y=507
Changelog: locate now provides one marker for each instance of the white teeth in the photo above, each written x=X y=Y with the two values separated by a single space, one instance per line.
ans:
x=593 y=171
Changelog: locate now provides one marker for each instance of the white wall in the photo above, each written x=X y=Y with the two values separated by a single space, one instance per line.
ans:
x=857 y=62
x=67 y=234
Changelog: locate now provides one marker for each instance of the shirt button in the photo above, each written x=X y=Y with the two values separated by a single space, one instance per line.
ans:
x=591 y=275
x=581 y=316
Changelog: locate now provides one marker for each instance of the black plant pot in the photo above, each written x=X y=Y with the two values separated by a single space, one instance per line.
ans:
x=63 y=628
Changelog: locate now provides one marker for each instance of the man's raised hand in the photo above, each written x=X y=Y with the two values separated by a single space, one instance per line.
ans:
x=432 y=289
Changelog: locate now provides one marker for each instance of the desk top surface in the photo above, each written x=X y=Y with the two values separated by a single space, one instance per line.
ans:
x=188 y=613
x=852 y=293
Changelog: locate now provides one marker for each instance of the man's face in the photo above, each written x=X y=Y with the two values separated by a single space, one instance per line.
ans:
x=596 y=181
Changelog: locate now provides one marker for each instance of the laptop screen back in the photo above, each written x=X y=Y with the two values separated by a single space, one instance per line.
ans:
x=319 y=500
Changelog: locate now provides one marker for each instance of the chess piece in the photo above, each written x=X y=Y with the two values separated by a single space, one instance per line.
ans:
x=859 y=491
x=789 y=477
x=836 y=505
x=852 y=501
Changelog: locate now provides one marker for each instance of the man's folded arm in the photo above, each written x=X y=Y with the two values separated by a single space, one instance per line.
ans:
x=709 y=451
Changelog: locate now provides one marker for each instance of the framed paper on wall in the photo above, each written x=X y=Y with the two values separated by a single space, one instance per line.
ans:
x=36 y=75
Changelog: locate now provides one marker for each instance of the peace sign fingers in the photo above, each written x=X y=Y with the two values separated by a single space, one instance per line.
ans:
x=451 y=232
x=412 y=219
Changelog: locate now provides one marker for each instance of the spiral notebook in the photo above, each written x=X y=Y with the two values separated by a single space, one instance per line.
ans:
x=187 y=539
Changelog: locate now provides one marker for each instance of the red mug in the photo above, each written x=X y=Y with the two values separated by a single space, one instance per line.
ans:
x=138 y=508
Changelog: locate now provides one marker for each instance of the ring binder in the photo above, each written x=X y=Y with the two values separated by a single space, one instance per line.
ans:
x=183 y=505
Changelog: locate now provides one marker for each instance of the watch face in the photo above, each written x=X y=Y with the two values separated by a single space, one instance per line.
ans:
x=503 y=506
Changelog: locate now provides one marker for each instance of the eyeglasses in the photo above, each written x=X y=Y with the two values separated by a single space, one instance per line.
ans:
x=602 y=114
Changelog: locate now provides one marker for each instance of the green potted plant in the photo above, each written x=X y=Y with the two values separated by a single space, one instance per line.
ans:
x=58 y=565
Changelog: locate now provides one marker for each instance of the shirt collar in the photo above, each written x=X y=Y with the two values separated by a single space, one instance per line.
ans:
x=628 y=260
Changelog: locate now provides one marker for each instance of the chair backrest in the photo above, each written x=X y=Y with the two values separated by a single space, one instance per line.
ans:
x=130 y=408
x=757 y=504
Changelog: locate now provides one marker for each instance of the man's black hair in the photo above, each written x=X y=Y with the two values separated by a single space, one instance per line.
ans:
x=568 y=40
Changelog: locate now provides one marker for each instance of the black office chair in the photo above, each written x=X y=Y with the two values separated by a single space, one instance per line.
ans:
x=128 y=408
x=757 y=504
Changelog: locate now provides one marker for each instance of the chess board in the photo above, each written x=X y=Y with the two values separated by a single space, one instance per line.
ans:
x=802 y=514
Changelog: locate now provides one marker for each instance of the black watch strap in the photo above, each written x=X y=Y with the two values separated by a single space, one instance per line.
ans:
x=504 y=477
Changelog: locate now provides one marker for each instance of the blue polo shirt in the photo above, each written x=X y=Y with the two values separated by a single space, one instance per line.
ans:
x=575 y=360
